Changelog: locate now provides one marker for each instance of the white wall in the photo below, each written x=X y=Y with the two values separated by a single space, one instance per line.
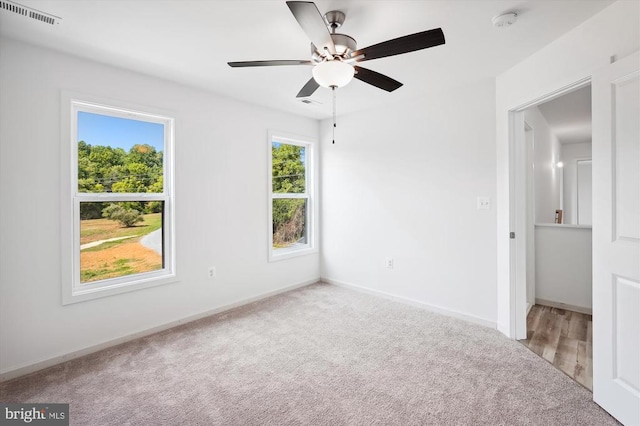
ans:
x=570 y=154
x=547 y=177
x=614 y=32
x=402 y=182
x=585 y=192
x=563 y=265
x=221 y=206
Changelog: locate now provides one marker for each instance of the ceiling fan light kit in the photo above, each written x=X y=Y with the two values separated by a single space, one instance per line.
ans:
x=333 y=55
x=332 y=74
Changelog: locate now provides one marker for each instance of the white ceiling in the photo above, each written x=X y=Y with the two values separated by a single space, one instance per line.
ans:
x=191 y=41
x=569 y=116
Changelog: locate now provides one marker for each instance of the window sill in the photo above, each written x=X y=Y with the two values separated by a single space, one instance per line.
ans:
x=290 y=252
x=83 y=295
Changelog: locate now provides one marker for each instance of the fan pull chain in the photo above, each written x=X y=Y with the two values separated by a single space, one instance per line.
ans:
x=333 y=88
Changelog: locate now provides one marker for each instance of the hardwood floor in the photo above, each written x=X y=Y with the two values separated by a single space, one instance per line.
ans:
x=564 y=339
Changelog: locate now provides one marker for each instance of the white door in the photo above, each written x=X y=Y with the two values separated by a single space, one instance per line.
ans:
x=616 y=239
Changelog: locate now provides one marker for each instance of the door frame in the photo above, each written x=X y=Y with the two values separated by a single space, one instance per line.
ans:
x=519 y=205
x=530 y=149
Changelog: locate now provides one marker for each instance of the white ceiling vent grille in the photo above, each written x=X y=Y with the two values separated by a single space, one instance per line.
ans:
x=18 y=9
x=310 y=101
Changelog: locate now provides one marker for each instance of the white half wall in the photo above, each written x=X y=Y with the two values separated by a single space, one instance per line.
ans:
x=402 y=182
x=221 y=206
x=563 y=265
x=547 y=177
x=612 y=33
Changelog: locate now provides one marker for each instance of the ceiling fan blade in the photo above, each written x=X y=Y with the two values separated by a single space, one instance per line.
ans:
x=376 y=79
x=266 y=63
x=308 y=89
x=312 y=22
x=397 y=46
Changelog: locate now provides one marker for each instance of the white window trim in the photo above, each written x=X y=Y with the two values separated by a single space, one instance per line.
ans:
x=311 y=179
x=72 y=290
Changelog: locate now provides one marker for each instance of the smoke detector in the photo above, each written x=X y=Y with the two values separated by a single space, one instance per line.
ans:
x=28 y=12
x=505 y=20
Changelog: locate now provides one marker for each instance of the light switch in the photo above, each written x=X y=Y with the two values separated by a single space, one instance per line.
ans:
x=484 y=203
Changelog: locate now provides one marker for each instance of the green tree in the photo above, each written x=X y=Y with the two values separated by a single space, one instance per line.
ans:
x=288 y=171
x=157 y=186
x=145 y=163
x=126 y=216
x=288 y=176
x=107 y=169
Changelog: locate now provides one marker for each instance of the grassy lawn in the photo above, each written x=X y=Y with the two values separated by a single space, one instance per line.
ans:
x=103 y=229
x=128 y=257
x=117 y=258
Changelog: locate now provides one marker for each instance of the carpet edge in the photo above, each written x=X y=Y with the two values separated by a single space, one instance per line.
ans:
x=416 y=303
x=25 y=370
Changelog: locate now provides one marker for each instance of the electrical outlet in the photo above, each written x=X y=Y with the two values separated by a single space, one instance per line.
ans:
x=212 y=272
x=484 y=203
x=388 y=262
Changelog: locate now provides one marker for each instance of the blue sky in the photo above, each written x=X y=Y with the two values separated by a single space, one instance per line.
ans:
x=97 y=129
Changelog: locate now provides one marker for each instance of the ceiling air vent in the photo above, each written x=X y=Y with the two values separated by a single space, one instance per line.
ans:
x=310 y=101
x=18 y=9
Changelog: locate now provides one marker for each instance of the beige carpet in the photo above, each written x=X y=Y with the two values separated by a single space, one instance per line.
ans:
x=321 y=355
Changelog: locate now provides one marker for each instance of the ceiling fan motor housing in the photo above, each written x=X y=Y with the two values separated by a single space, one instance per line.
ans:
x=345 y=45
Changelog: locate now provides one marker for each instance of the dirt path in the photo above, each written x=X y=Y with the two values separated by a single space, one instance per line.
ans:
x=97 y=243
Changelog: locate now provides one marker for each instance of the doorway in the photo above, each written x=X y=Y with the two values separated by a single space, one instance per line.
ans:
x=554 y=273
x=616 y=230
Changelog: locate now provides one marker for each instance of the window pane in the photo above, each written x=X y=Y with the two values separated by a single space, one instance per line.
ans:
x=288 y=168
x=119 y=154
x=289 y=222
x=120 y=238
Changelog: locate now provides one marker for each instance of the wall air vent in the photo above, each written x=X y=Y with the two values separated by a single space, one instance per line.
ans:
x=27 y=12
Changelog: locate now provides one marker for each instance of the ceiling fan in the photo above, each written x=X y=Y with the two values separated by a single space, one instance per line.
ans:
x=333 y=55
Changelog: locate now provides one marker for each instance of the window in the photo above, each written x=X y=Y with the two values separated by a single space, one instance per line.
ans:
x=291 y=203
x=121 y=212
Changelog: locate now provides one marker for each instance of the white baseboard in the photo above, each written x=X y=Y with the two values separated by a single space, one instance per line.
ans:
x=32 y=368
x=529 y=306
x=560 y=305
x=427 y=306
